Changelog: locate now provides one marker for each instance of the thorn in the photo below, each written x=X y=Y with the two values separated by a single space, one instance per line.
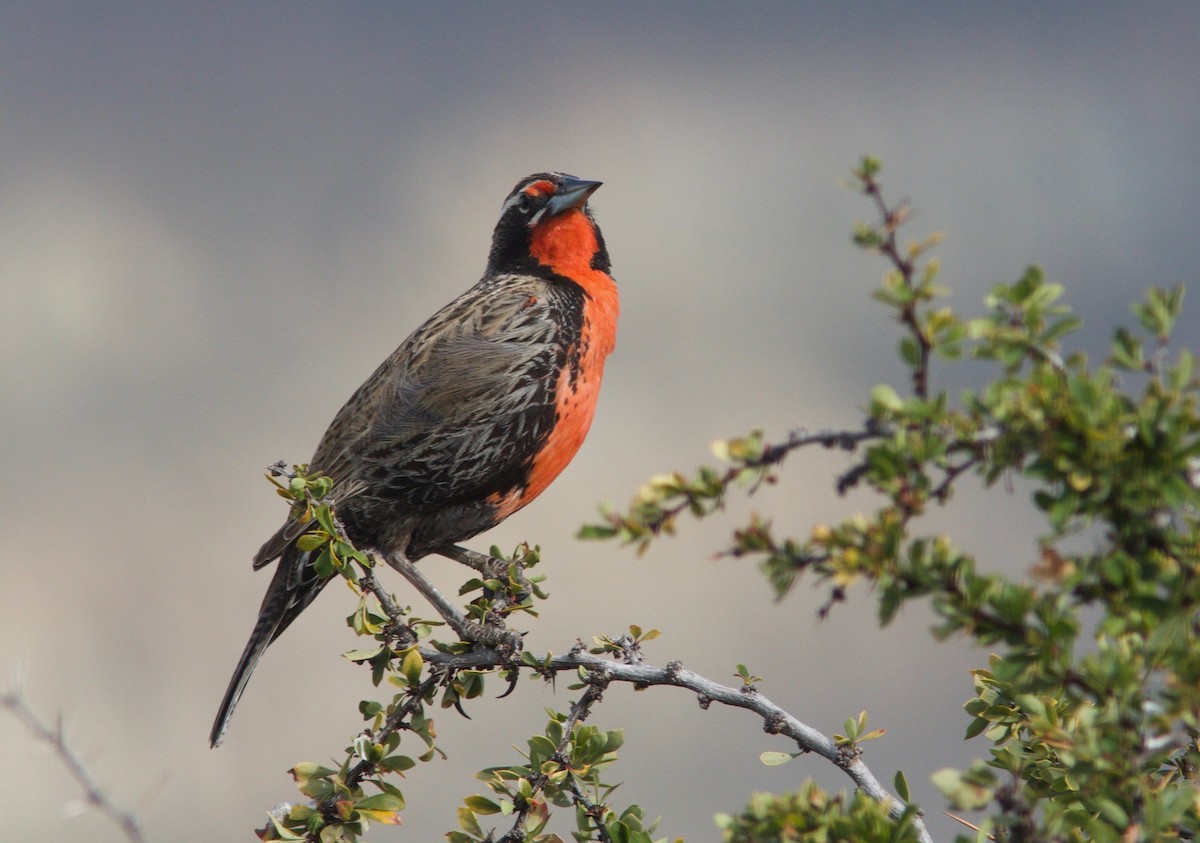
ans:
x=458 y=707
x=513 y=678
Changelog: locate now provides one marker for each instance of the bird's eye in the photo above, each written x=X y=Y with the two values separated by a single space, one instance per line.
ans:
x=525 y=202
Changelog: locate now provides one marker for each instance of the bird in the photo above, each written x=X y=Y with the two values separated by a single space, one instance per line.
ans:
x=472 y=416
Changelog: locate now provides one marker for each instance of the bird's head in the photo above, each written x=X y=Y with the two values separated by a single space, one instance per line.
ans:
x=545 y=220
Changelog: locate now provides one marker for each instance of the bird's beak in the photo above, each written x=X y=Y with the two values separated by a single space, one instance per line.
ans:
x=572 y=193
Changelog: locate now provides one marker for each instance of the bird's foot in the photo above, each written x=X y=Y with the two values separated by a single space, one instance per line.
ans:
x=507 y=642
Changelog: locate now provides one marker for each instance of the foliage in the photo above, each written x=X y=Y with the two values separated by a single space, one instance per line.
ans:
x=812 y=814
x=1093 y=727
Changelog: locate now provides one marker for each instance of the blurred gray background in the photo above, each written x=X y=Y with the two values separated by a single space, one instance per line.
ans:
x=216 y=220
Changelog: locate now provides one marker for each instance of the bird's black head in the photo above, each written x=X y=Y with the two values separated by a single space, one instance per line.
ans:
x=532 y=204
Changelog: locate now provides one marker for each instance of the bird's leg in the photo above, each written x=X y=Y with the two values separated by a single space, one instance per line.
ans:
x=466 y=629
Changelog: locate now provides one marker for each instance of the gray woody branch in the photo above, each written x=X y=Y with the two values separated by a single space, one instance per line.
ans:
x=775 y=719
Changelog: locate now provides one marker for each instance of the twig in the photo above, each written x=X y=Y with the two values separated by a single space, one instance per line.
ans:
x=368 y=582
x=127 y=821
x=580 y=709
x=396 y=721
x=942 y=491
x=893 y=218
x=845 y=440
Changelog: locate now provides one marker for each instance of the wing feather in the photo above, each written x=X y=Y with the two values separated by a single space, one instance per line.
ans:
x=459 y=405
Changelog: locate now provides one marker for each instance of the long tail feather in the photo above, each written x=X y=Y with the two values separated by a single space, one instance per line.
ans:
x=293 y=587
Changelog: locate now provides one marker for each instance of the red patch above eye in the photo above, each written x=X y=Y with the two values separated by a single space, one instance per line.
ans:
x=540 y=188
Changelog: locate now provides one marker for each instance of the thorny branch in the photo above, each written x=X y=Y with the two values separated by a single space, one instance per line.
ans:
x=127 y=821
x=775 y=719
x=893 y=218
x=845 y=440
x=710 y=491
x=580 y=709
x=396 y=721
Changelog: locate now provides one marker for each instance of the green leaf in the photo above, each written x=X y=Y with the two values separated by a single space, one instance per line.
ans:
x=362 y=655
x=866 y=237
x=1127 y=350
x=596 y=531
x=398 y=763
x=310 y=770
x=481 y=805
x=381 y=808
x=776 y=759
x=313 y=779
x=323 y=563
x=469 y=823
x=311 y=541
x=325 y=519
x=961 y=793
x=884 y=400
x=851 y=729
x=614 y=739
x=910 y=352
x=412 y=665
x=1181 y=375
x=976 y=727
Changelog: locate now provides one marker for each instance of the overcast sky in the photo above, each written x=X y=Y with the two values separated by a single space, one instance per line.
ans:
x=216 y=220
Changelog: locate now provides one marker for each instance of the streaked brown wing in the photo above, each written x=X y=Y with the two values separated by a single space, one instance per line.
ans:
x=459 y=409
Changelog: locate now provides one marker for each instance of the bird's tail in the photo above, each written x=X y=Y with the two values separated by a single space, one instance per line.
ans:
x=293 y=587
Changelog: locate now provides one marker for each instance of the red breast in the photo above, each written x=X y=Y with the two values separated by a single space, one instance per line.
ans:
x=567 y=244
